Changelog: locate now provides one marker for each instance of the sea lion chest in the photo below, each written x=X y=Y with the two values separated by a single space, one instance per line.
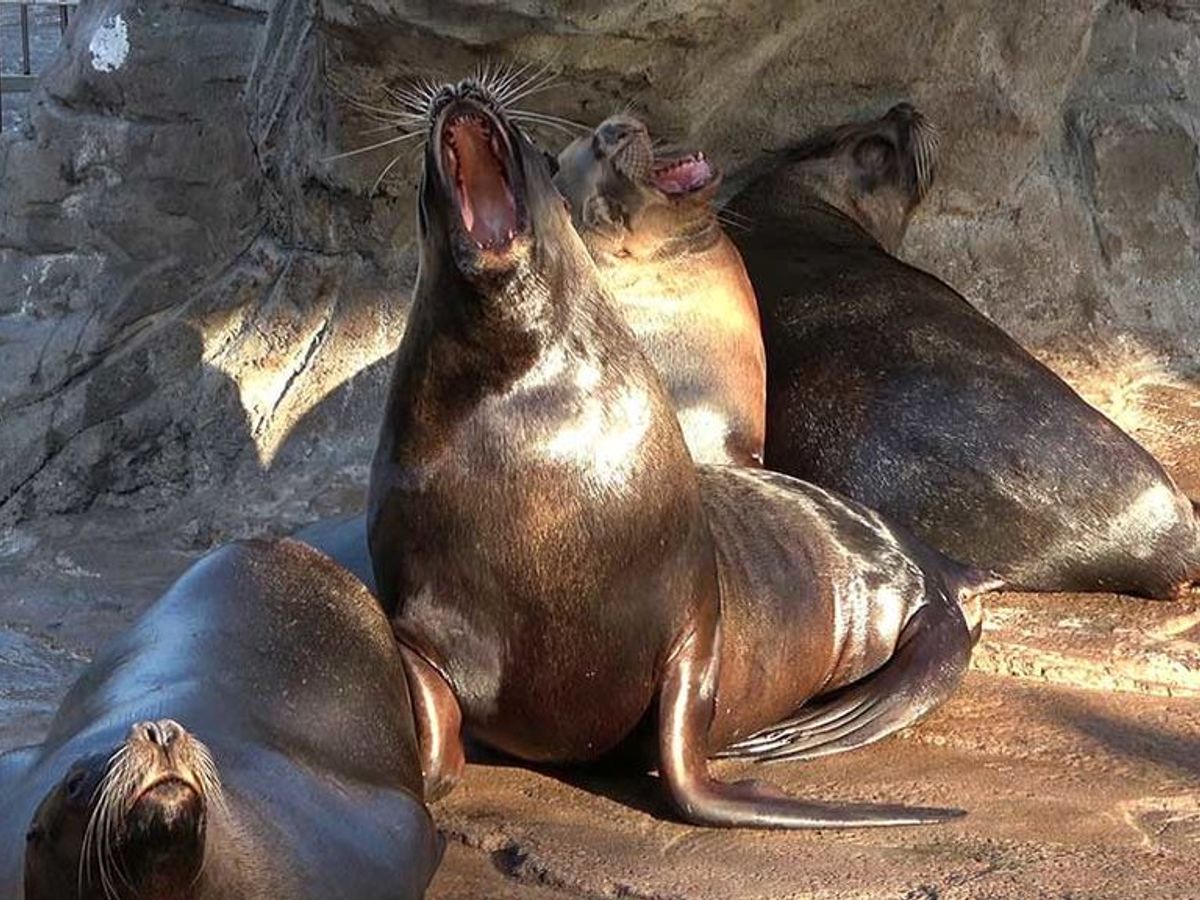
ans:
x=695 y=316
x=544 y=545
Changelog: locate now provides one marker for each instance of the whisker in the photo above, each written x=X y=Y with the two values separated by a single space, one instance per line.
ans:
x=398 y=125
x=91 y=833
x=534 y=123
x=733 y=214
x=539 y=88
x=515 y=81
x=507 y=77
x=733 y=223
x=380 y=110
x=507 y=82
x=383 y=174
x=567 y=126
x=540 y=80
x=362 y=104
x=413 y=101
x=376 y=146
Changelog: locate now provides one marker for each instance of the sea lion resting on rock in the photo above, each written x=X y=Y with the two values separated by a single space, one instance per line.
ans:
x=541 y=542
x=250 y=736
x=886 y=385
x=651 y=229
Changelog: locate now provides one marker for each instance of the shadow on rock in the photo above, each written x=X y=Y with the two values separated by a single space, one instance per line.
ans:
x=1134 y=742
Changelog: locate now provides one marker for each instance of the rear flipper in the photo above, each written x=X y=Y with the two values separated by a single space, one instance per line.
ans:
x=929 y=663
x=685 y=711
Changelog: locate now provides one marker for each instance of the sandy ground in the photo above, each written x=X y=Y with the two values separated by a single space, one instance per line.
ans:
x=1074 y=746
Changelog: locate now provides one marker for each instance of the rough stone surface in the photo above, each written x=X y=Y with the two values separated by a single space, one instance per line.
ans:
x=194 y=296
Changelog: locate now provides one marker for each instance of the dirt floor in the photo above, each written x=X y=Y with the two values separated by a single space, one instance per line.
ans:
x=1074 y=746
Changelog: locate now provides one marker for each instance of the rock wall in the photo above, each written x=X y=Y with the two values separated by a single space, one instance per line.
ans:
x=196 y=301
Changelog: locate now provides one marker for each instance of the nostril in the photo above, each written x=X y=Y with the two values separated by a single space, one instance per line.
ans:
x=152 y=733
x=170 y=730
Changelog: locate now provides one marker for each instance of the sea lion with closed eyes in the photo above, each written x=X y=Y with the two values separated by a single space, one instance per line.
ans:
x=250 y=737
x=886 y=385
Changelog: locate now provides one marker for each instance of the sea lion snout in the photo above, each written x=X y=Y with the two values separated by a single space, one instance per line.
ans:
x=163 y=733
x=162 y=749
x=166 y=771
x=626 y=141
x=138 y=813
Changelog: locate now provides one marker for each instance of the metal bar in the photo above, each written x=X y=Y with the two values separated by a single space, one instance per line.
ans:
x=62 y=20
x=26 y=65
x=39 y=2
x=16 y=84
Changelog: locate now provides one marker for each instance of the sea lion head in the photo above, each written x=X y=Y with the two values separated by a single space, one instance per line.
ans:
x=875 y=172
x=130 y=824
x=627 y=201
x=487 y=201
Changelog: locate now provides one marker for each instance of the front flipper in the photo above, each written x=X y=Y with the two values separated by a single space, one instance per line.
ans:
x=929 y=663
x=685 y=712
x=438 y=718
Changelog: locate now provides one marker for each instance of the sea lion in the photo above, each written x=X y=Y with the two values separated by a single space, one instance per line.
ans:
x=534 y=519
x=651 y=228
x=886 y=385
x=344 y=540
x=250 y=736
x=838 y=628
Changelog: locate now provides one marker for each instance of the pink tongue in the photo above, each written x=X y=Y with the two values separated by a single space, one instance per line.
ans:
x=488 y=208
x=686 y=177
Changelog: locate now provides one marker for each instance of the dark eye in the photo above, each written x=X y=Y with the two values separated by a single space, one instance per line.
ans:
x=552 y=162
x=597 y=147
x=75 y=785
x=33 y=834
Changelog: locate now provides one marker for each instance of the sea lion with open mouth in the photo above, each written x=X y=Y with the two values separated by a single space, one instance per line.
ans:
x=886 y=385
x=650 y=226
x=249 y=738
x=535 y=522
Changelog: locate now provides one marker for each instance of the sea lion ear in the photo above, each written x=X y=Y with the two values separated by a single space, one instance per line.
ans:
x=877 y=161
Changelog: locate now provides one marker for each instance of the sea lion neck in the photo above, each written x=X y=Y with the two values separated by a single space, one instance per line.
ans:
x=659 y=232
x=806 y=198
x=875 y=173
x=232 y=864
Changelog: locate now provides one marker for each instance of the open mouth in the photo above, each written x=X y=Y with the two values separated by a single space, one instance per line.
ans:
x=475 y=158
x=679 y=177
